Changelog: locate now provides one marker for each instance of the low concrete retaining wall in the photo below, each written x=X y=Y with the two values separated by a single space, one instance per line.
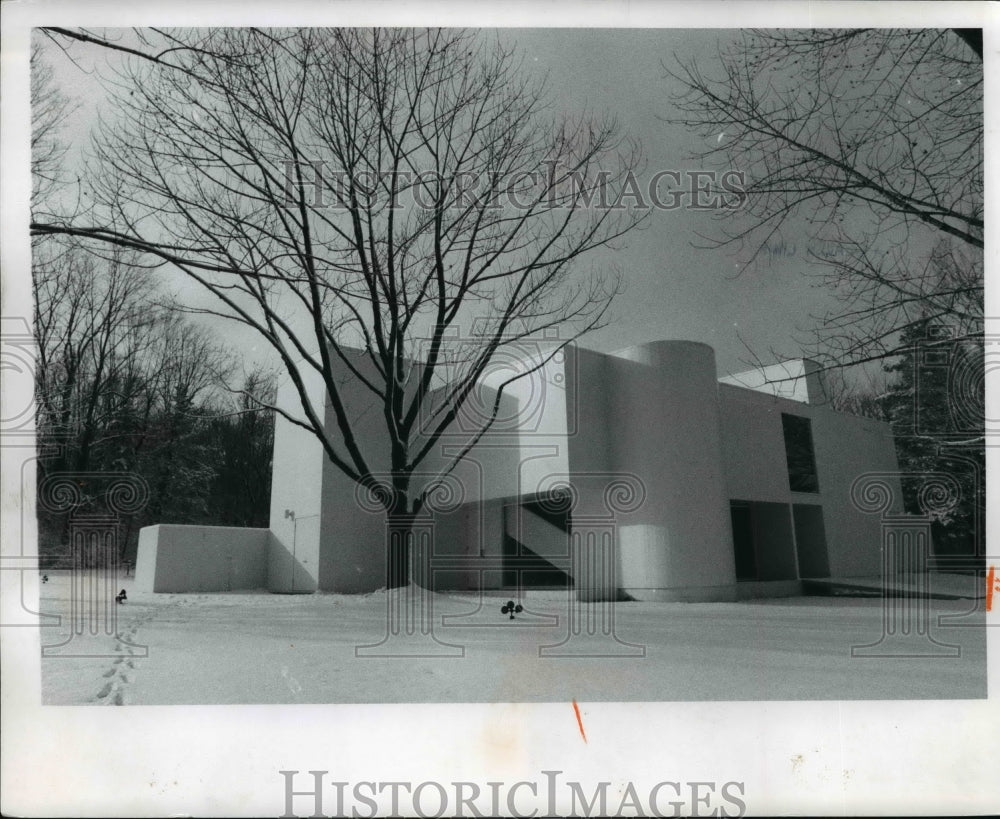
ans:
x=175 y=558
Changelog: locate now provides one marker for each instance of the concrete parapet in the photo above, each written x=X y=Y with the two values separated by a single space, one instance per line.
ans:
x=174 y=558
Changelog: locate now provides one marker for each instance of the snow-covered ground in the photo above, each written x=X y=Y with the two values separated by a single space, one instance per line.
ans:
x=259 y=648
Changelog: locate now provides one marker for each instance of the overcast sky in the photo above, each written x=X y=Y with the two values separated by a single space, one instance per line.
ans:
x=673 y=289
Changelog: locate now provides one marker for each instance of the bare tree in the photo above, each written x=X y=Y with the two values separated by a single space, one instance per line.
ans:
x=243 y=433
x=49 y=110
x=94 y=323
x=186 y=366
x=864 y=395
x=123 y=383
x=871 y=143
x=370 y=189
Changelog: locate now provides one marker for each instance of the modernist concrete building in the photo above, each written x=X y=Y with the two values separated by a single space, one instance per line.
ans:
x=637 y=474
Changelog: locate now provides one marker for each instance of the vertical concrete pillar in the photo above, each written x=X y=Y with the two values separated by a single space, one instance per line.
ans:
x=663 y=408
x=590 y=614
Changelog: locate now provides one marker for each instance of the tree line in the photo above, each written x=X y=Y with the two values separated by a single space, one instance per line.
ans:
x=127 y=385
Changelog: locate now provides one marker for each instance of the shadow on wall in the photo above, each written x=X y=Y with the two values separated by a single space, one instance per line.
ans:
x=286 y=573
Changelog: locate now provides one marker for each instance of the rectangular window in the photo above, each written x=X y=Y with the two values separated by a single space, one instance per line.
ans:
x=744 y=549
x=799 y=454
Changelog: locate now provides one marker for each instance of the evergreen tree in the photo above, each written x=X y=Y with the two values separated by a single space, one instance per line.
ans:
x=936 y=409
x=243 y=443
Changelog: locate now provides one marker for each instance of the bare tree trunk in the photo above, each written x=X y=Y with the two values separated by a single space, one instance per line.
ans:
x=399 y=543
x=409 y=613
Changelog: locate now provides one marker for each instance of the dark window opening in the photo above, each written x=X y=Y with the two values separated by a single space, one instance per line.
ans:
x=763 y=542
x=799 y=454
x=743 y=541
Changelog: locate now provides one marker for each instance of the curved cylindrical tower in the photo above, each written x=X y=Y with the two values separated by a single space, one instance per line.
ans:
x=663 y=408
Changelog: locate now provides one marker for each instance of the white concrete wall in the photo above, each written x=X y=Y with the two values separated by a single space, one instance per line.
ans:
x=655 y=411
x=296 y=485
x=845 y=447
x=541 y=419
x=848 y=447
x=590 y=445
x=456 y=538
x=753 y=445
x=528 y=440
x=526 y=444
x=339 y=544
x=175 y=558
x=490 y=470
x=538 y=534
x=352 y=557
x=797 y=379
x=664 y=424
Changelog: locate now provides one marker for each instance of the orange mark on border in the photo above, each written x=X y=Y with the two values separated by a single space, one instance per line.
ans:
x=990 y=575
x=579 y=720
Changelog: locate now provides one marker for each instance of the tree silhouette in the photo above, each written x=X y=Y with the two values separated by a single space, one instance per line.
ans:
x=375 y=190
x=869 y=142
